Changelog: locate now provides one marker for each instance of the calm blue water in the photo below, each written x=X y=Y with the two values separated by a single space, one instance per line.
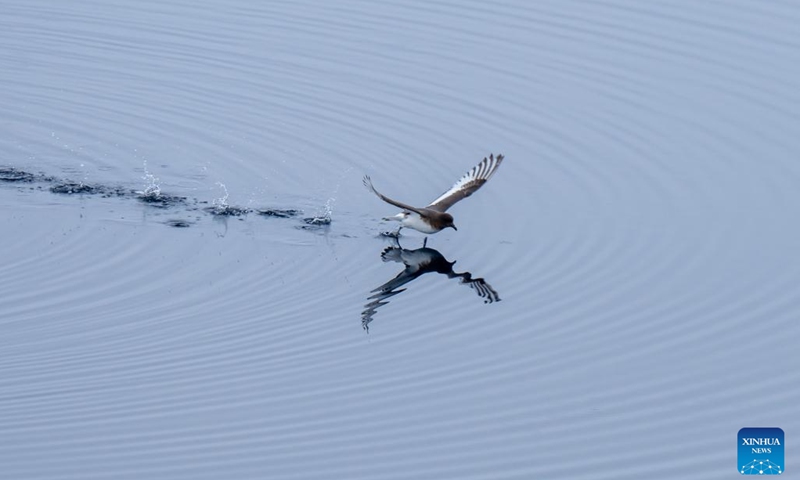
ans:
x=641 y=236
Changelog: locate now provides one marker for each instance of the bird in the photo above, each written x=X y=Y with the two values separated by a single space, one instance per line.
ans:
x=433 y=218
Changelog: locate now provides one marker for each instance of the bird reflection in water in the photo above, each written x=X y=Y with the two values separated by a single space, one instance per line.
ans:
x=419 y=262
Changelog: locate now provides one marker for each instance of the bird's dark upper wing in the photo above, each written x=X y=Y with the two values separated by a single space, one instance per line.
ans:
x=368 y=184
x=468 y=184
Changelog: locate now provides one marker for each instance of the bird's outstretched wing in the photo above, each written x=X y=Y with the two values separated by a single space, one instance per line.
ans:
x=468 y=184
x=368 y=184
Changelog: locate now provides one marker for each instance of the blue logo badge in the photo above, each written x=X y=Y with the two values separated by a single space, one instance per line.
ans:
x=761 y=451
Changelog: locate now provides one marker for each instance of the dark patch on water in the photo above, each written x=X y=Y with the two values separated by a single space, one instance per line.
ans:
x=315 y=223
x=227 y=211
x=73 y=188
x=8 y=174
x=177 y=223
x=318 y=221
x=160 y=200
x=275 y=212
x=116 y=192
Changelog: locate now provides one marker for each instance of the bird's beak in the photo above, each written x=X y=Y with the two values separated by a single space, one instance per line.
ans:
x=454 y=227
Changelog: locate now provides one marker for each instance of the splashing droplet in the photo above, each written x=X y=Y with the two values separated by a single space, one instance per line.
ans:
x=221 y=202
x=151 y=187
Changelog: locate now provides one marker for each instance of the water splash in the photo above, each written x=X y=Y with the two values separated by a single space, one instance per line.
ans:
x=329 y=205
x=152 y=187
x=152 y=191
x=221 y=203
x=322 y=219
x=219 y=206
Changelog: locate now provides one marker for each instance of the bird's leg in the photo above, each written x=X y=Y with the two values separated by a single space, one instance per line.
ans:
x=396 y=237
x=425 y=242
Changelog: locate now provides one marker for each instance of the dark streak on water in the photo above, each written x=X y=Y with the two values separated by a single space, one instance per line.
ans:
x=77 y=188
x=154 y=199
x=279 y=213
x=160 y=200
x=227 y=211
x=315 y=223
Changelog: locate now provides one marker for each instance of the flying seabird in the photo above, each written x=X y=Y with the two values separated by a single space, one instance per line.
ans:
x=432 y=219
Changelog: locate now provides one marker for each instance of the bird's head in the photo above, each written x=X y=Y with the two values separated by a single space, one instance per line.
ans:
x=448 y=221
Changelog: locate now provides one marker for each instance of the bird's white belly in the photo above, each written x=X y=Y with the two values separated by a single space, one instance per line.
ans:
x=413 y=220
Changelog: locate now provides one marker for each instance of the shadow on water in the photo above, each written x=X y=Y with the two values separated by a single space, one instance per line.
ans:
x=418 y=262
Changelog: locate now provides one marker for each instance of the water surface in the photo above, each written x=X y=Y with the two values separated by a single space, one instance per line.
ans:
x=639 y=238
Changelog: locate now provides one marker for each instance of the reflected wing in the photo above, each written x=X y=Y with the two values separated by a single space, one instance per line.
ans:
x=468 y=184
x=408 y=274
x=378 y=300
x=484 y=290
x=368 y=184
